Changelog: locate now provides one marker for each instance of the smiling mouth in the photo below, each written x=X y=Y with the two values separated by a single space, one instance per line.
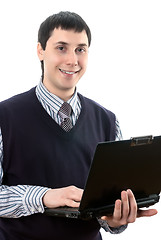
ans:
x=68 y=72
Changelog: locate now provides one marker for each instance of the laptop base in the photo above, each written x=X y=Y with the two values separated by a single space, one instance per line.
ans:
x=70 y=212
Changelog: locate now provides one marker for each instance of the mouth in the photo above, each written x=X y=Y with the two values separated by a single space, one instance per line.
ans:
x=68 y=72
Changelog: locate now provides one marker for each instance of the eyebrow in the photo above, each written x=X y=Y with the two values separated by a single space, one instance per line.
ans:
x=65 y=43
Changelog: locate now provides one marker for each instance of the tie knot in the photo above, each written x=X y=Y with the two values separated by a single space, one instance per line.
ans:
x=65 y=110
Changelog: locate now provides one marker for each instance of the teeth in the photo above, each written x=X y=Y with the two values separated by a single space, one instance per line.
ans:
x=67 y=72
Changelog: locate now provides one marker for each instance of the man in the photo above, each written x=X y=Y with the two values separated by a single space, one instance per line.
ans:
x=48 y=137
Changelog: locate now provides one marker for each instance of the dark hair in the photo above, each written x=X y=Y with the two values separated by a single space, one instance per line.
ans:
x=64 y=20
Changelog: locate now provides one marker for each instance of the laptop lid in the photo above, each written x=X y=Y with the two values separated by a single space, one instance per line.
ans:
x=118 y=166
x=129 y=164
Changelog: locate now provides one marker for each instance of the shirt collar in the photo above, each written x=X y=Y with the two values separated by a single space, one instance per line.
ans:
x=53 y=101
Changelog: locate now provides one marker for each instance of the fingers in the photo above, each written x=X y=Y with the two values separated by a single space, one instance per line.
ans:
x=129 y=207
x=72 y=196
x=126 y=211
x=71 y=203
x=132 y=207
x=117 y=210
x=125 y=205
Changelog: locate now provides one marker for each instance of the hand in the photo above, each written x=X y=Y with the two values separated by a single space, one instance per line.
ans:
x=67 y=196
x=126 y=211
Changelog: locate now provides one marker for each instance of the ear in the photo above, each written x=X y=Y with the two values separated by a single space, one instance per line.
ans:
x=40 y=52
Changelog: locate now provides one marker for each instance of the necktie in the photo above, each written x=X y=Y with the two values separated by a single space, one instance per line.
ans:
x=64 y=113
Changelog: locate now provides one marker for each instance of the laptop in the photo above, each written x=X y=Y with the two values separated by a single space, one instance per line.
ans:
x=119 y=165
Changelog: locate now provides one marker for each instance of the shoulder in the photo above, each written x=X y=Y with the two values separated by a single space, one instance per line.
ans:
x=94 y=106
x=102 y=119
x=18 y=99
x=18 y=104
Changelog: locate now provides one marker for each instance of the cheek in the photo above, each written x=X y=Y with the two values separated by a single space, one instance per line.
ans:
x=84 y=65
x=83 y=62
x=51 y=63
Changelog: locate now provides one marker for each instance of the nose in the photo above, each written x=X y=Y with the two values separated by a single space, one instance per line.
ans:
x=72 y=59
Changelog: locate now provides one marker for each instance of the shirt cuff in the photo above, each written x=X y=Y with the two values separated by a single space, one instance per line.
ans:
x=33 y=199
x=107 y=228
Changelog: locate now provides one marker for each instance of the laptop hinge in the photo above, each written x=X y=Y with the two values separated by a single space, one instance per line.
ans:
x=137 y=141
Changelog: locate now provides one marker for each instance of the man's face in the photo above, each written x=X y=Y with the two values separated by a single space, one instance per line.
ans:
x=65 y=61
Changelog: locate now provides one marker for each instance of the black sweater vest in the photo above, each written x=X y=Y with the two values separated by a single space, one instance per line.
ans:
x=38 y=152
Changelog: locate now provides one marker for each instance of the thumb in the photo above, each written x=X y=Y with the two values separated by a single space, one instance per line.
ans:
x=146 y=213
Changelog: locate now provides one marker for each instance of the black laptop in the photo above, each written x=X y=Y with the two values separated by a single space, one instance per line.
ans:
x=129 y=164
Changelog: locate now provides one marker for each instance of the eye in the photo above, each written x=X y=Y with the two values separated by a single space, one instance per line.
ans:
x=80 y=50
x=61 y=48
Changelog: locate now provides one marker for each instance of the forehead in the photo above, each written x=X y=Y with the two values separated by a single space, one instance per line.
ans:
x=69 y=36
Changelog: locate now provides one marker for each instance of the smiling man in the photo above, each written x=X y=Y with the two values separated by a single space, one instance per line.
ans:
x=48 y=136
x=65 y=61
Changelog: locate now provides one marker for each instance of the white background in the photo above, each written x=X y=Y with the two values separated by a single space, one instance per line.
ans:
x=124 y=68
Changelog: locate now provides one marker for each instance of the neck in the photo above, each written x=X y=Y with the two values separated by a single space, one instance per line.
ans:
x=64 y=94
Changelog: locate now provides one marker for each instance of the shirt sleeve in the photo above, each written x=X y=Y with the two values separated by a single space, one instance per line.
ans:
x=20 y=200
x=118 y=131
x=107 y=228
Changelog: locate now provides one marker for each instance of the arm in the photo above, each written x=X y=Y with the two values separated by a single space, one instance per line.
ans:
x=24 y=200
x=21 y=200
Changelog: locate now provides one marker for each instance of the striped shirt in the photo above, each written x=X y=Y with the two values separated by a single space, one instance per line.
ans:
x=52 y=104
x=24 y=200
